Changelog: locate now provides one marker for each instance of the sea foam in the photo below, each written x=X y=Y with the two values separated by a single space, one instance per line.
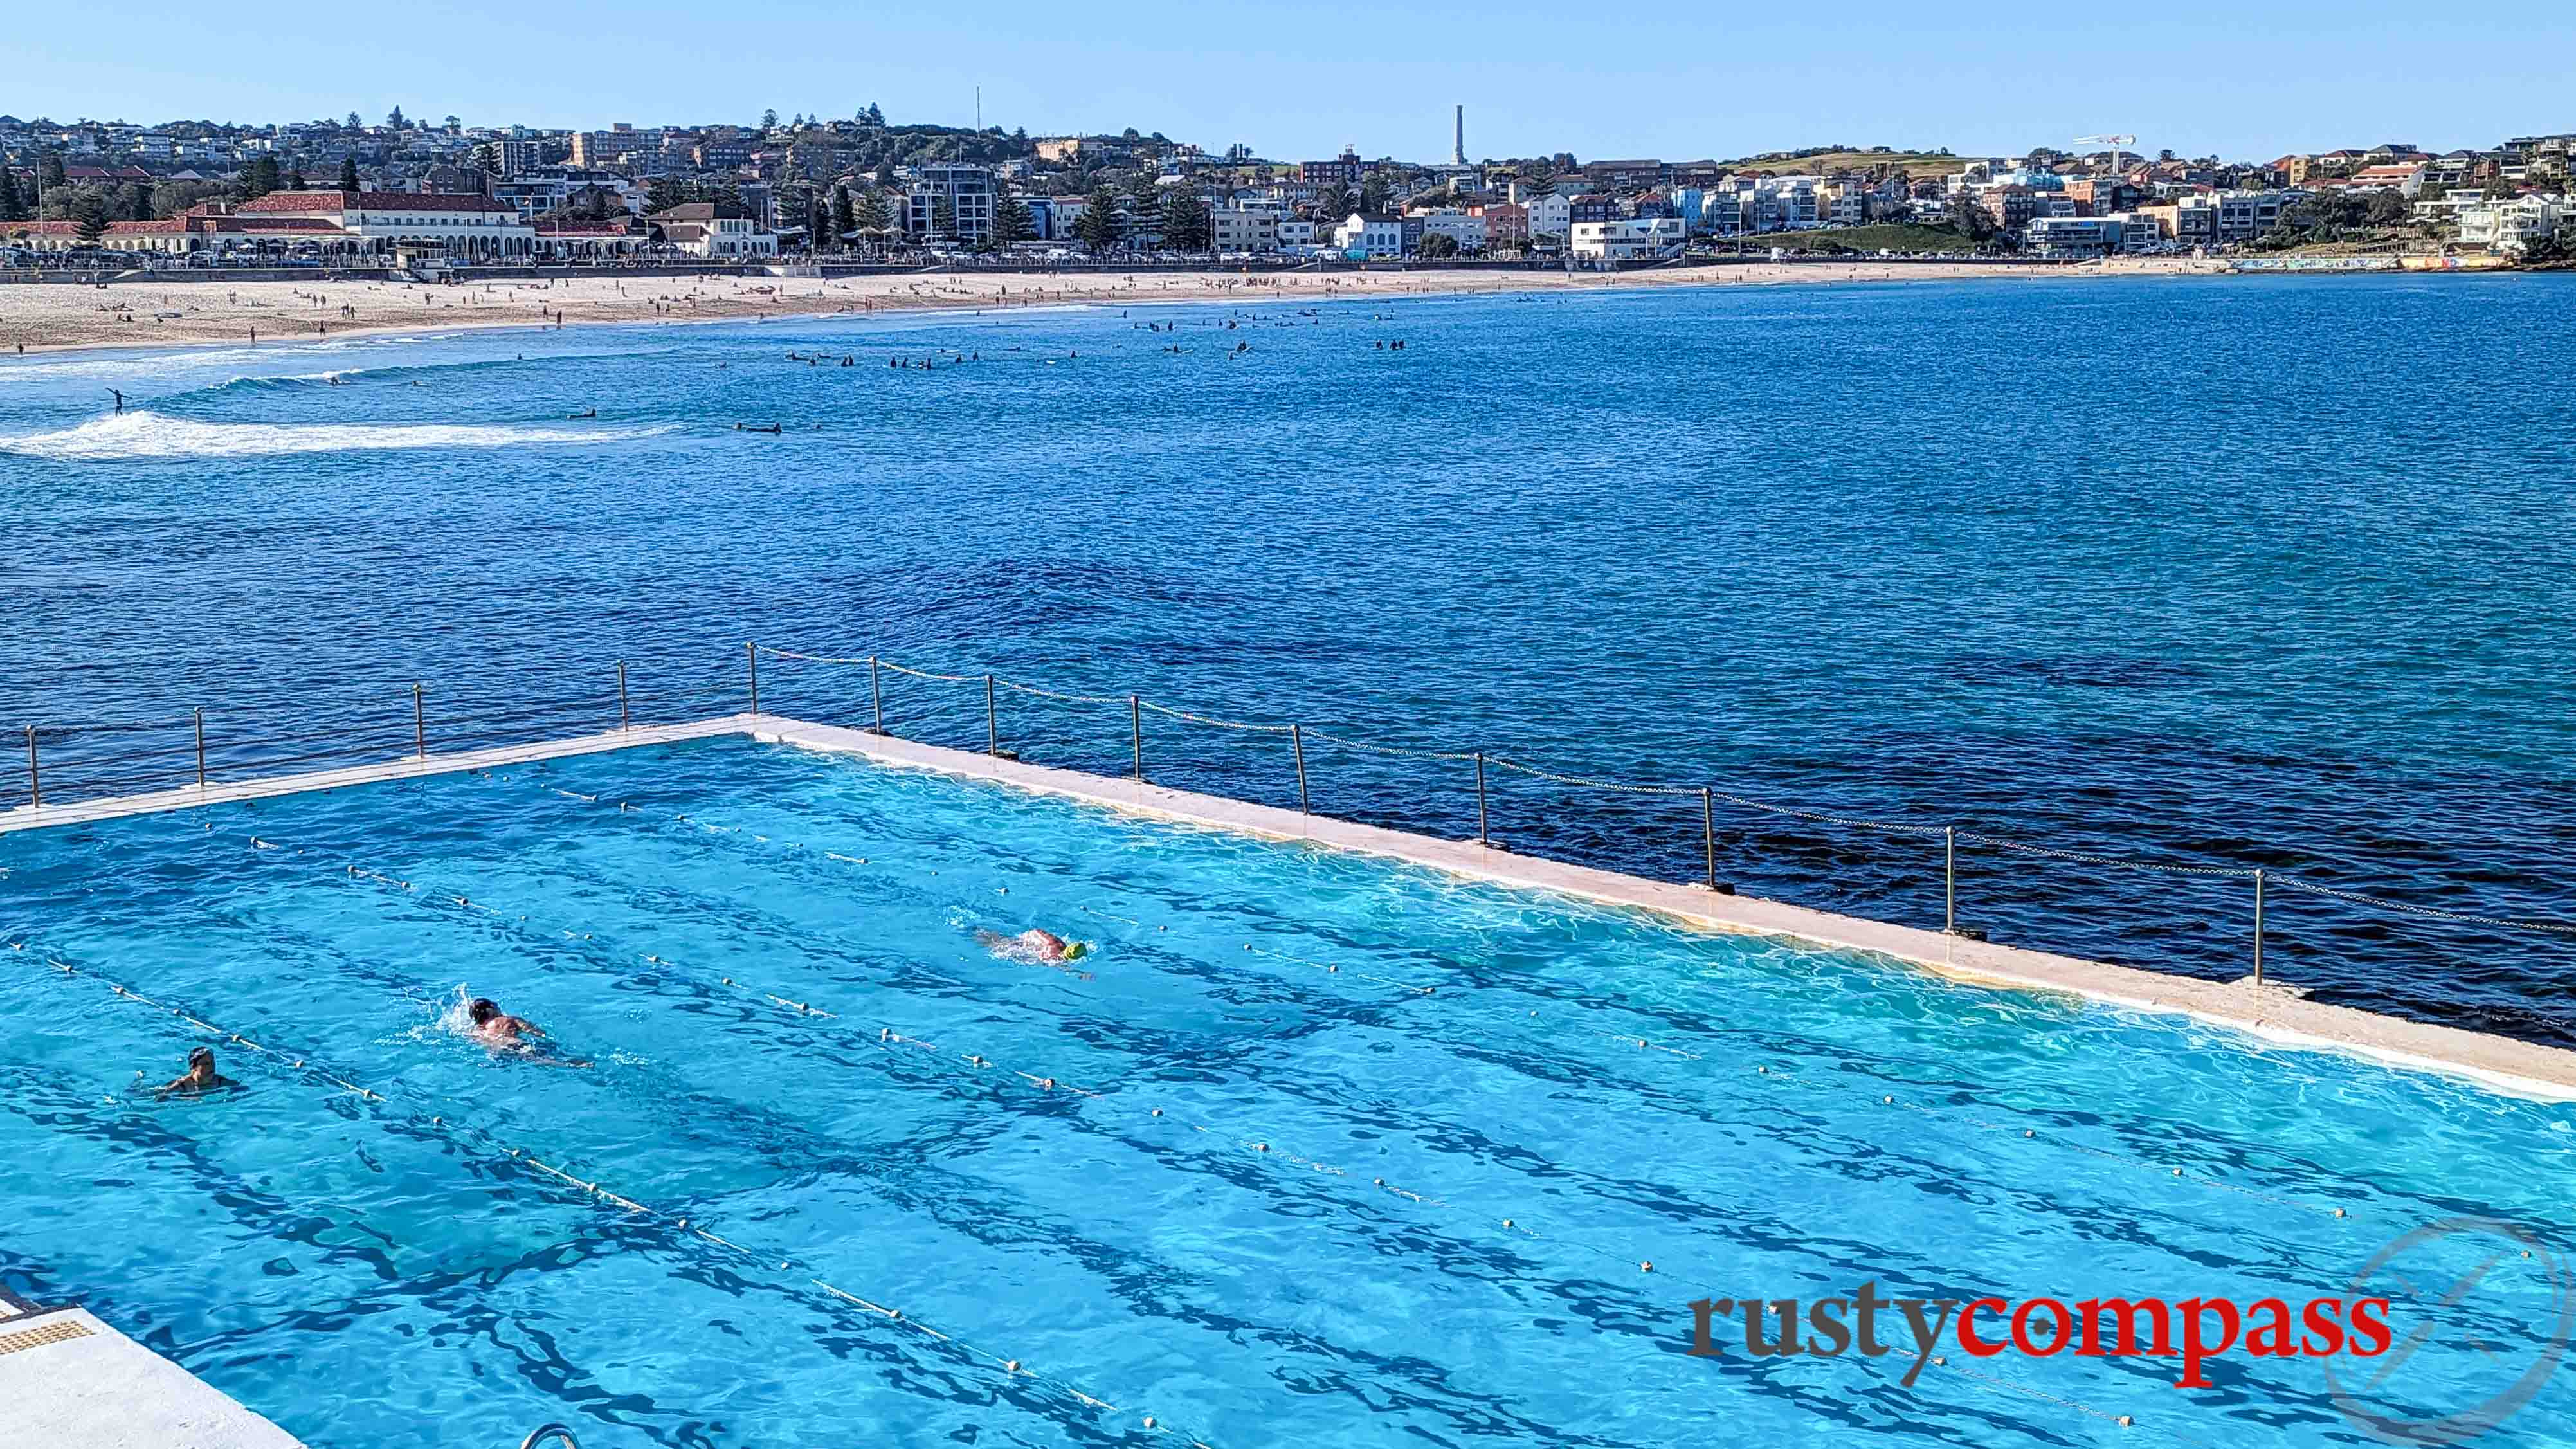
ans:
x=146 y=434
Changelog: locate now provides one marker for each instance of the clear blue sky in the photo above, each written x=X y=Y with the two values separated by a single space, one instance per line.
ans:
x=2247 y=80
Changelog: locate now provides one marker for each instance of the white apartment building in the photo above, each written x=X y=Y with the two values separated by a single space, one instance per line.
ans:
x=1466 y=230
x=1549 y=216
x=2512 y=224
x=1243 y=228
x=1371 y=236
x=1631 y=240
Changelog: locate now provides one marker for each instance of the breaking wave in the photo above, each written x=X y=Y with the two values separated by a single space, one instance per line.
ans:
x=147 y=434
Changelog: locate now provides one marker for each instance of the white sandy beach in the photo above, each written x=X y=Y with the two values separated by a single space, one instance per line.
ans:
x=154 y=311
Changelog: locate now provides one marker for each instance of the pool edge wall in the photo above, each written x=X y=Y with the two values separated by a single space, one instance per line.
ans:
x=2270 y=1014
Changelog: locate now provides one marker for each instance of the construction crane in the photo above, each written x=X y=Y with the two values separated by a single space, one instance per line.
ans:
x=2114 y=142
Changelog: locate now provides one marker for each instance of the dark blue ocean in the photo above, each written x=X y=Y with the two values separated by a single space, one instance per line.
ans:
x=2214 y=572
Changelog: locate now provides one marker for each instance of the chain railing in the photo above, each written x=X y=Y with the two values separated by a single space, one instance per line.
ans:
x=2260 y=882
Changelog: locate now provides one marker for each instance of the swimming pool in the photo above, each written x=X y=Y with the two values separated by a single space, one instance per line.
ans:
x=1314 y=1149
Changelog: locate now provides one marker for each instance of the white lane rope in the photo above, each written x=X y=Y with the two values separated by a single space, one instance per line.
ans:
x=460 y=1132
x=2166 y=1170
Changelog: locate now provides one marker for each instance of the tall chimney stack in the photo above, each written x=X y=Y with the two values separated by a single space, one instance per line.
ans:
x=1458 y=147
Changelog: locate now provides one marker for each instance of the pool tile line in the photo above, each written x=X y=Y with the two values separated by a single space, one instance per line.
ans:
x=492 y=1145
x=2159 y=1169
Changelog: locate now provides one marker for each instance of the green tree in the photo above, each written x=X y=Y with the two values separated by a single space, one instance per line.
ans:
x=1185 y=221
x=1097 y=228
x=1970 y=218
x=1335 y=203
x=872 y=215
x=487 y=158
x=89 y=215
x=1373 y=193
x=137 y=202
x=664 y=193
x=256 y=180
x=1144 y=195
x=349 y=173
x=844 y=218
x=1012 y=223
x=13 y=207
x=295 y=179
x=2389 y=208
x=49 y=171
x=943 y=218
x=394 y=118
x=1439 y=245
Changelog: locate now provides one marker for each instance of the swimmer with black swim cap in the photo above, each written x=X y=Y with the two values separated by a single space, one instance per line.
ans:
x=200 y=1078
x=495 y=1027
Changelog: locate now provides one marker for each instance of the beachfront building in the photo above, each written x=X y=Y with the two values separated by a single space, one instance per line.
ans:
x=1629 y=239
x=1372 y=237
x=467 y=227
x=1243 y=228
x=951 y=201
x=713 y=229
x=162 y=238
x=2513 y=223
x=1548 y=217
x=591 y=240
x=2075 y=236
x=1466 y=228
x=1506 y=225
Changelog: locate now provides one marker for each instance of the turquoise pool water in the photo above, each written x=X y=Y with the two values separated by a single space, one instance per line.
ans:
x=1422 y=1059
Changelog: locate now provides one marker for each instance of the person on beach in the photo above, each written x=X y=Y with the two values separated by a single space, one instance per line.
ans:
x=200 y=1078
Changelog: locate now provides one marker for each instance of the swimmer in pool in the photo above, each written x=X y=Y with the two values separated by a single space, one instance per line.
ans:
x=200 y=1079
x=499 y=1031
x=1037 y=945
x=497 y=1028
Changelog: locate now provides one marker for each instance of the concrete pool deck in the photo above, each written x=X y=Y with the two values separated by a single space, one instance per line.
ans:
x=2271 y=1013
x=68 y=1380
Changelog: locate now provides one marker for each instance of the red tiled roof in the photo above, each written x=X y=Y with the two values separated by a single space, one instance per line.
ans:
x=293 y=202
x=428 y=201
x=145 y=228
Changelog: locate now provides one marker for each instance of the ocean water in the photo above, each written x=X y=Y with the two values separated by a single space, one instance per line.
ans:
x=2248 y=572
x=1310 y=1149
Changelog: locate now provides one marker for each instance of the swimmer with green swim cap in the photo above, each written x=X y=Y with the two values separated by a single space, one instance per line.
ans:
x=1040 y=945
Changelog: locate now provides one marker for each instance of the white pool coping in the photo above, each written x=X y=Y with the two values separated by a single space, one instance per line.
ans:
x=2270 y=1014
x=76 y=1383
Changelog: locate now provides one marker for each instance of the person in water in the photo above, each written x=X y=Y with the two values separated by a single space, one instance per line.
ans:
x=498 y=1028
x=1038 y=944
x=200 y=1078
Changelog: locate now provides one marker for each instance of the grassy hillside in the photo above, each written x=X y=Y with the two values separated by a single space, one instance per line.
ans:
x=1894 y=236
x=1915 y=163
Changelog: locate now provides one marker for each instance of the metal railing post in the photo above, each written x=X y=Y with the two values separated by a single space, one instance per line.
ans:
x=992 y=721
x=1297 y=742
x=876 y=696
x=1950 y=880
x=2258 y=928
x=419 y=723
x=201 y=748
x=751 y=651
x=1708 y=831
x=35 y=779
x=1482 y=838
x=1136 y=734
